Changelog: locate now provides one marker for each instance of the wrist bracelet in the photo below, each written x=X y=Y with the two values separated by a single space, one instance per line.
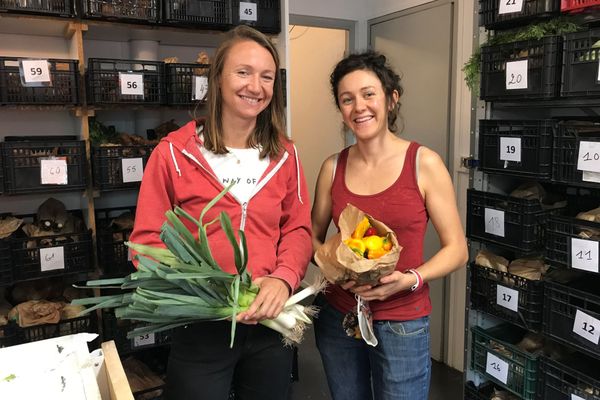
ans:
x=419 y=279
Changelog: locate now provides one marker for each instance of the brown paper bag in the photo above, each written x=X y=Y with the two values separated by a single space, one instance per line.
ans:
x=339 y=264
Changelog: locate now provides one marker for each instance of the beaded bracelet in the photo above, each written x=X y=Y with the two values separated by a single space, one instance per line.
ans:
x=419 y=279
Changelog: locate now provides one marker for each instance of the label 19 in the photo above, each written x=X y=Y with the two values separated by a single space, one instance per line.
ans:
x=510 y=149
x=131 y=84
x=248 y=11
x=494 y=222
x=516 y=74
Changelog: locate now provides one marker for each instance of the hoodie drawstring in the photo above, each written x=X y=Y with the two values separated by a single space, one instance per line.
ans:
x=297 y=173
x=174 y=160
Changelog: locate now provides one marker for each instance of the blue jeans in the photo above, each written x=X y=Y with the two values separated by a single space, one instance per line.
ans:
x=398 y=368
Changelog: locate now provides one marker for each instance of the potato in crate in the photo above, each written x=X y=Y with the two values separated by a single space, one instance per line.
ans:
x=494 y=14
x=187 y=84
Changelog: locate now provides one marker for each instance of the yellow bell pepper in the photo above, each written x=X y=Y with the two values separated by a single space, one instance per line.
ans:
x=361 y=228
x=357 y=246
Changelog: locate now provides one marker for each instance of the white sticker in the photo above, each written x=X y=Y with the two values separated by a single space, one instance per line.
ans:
x=248 y=11
x=510 y=149
x=200 y=88
x=494 y=222
x=584 y=254
x=589 y=156
x=143 y=340
x=598 y=77
x=589 y=176
x=133 y=169
x=132 y=84
x=510 y=6
x=587 y=326
x=575 y=397
x=497 y=367
x=516 y=74
x=507 y=297
x=54 y=172
x=35 y=71
x=52 y=258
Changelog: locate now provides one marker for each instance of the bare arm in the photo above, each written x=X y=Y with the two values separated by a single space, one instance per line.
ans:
x=321 y=210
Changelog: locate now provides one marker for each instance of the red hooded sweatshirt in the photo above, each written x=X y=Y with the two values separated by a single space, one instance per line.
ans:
x=276 y=219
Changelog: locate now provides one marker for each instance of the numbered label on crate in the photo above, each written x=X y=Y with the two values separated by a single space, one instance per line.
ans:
x=34 y=72
x=146 y=339
x=510 y=6
x=494 y=222
x=497 y=367
x=133 y=169
x=507 y=297
x=587 y=326
x=52 y=258
x=575 y=397
x=589 y=156
x=248 y=11
x=516 y=74
x=584 y=254
x=54 y=172
x=510 y=149
x=200 y=88
x=132 y=84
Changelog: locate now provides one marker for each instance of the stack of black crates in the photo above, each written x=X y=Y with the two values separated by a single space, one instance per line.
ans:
x=546 y=123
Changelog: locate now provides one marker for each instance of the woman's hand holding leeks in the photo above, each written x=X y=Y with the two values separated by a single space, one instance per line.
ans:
x=268 y=303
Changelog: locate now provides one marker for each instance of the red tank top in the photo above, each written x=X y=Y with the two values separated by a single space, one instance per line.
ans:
x=402 y=208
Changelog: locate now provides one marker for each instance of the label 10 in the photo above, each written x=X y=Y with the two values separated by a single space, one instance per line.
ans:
x=510 y=6
x=52 y=258
x=516 y=74
x=54 y=172
x=133 y=169
x=132 y=84
x=589 y=156
x=35 y=71
x=497 y=367
x=510 y=149
x=143 y=340
x=587 y=327
x=248 y=11
x=494 y=222
x=507 y=297
x=584 y=254
x=200 y=88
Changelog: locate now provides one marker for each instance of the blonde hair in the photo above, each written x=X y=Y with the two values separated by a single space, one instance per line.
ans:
x=270 y=123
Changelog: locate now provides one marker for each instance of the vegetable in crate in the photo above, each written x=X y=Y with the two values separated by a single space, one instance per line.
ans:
x=183 y=284
x=363 y=251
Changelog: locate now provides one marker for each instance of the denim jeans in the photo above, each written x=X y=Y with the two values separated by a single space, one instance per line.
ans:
x=398 y=368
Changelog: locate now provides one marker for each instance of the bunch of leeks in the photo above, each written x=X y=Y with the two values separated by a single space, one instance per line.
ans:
x=182 y=283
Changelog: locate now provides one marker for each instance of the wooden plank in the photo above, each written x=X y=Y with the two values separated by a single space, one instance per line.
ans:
x=118 y=385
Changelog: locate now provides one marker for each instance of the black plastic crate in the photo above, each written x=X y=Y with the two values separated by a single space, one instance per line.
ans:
x=62 y=328
x=215 y=14
x=560 y=233
x=180 y=82
x=524 y=220
x=484 y=289
x=580 y=64
x=543 y=69
x=25 y=252
x=113 y=254
x=490 y=18
x=566 y=152
x=6 y=276
x=483 y=392
x=109 y=170
x=146 y=11
x=22 y=164
x=9 y=335
x=116 y=329
x=64 y=90
x=534 y=139
x=500 y=341
x=562 y=303
x=63 y=8
x=264 y=15
x=576 y=374
x=103 y=81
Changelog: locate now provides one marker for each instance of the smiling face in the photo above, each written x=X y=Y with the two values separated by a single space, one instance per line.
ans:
x=246 y=81
x=363 y=104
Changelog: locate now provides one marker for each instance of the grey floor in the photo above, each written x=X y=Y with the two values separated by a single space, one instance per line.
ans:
x=446 y=383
